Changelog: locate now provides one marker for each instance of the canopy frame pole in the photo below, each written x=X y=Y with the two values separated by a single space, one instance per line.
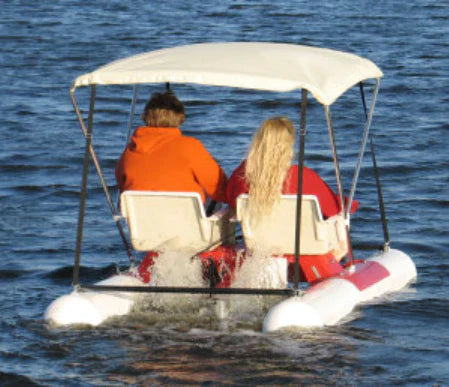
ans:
x=301 y=153
x=338 y=178
x=132 y=111
x=362 y=146
x=129 y=131
x=383 y=217
x=90 y=149
x=82 y=204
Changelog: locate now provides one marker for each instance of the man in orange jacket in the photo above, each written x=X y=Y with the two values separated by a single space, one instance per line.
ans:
x=160 y=158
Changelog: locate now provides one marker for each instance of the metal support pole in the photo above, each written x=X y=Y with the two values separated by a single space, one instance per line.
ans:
x=362 y=146
x=330 y=129
x=92 y=153
x=383 y=217
x=131 y=113
x=338 y=177
x=81 y=211
x=302 y=144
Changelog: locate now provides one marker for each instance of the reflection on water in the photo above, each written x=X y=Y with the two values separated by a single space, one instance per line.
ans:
x=177 y=356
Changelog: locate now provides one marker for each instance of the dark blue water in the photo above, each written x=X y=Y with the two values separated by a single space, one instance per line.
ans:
x=403 y=340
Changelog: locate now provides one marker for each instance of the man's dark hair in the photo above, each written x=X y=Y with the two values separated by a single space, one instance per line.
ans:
x=166 y=101
x=164 y=110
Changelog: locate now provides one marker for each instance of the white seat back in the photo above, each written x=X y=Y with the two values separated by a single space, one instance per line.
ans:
x=170 y=221
x=275 y=232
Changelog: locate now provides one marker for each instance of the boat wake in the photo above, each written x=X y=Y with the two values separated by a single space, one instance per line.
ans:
x=180 y=269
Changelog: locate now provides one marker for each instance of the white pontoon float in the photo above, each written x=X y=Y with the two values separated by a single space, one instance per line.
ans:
x=295 y=227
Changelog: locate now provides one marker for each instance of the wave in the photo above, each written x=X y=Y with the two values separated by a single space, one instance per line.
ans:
x=432 y=309
x=13 y=379
x=86 y=273
x=27 y=167
x=6 y=274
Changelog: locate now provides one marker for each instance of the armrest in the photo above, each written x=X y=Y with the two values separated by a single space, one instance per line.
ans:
x=339 y=222
x=233 y=219
x=221 y=213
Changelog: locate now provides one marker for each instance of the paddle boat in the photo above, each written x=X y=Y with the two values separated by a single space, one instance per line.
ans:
x=302 y=247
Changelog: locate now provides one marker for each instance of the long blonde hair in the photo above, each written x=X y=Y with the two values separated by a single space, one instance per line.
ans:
x=269 y=158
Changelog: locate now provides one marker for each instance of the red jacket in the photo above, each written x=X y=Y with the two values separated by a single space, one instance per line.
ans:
x=162 y=159
x=312 y=184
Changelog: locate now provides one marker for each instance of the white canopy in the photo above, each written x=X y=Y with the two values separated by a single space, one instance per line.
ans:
x=325 y=73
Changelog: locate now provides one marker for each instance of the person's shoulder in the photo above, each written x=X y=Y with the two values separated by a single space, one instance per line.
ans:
x=308 y=173
x=295 y=168
x=190 y=139
x=241 y=167
x=192 y=142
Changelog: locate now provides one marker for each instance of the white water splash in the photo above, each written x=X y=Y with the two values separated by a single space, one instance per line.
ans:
x=179 y=269
x=260 y=271
x=176 y=269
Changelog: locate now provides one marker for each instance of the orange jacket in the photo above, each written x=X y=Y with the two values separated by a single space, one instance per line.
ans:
x=162 y=159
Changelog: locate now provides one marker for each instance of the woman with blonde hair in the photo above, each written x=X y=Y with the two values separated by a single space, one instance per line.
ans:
x=267 y=172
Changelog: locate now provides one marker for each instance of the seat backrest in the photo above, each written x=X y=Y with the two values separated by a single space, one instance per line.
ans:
x=166 y=221
x=275 y=232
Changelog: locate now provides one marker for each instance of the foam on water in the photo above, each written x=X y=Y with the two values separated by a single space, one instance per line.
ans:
x=175 y=269
x=260 y=271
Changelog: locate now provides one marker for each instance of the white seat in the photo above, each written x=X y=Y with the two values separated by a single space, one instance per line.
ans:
x=170 y=221
x=275 y=233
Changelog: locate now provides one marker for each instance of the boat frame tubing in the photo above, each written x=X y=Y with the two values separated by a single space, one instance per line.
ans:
x=302 y=144
x=338 y=177
x=90 y=151
x=383 y=217
x=192 y=290
x=131 y=112
x=363 y=145
x=81 y=211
